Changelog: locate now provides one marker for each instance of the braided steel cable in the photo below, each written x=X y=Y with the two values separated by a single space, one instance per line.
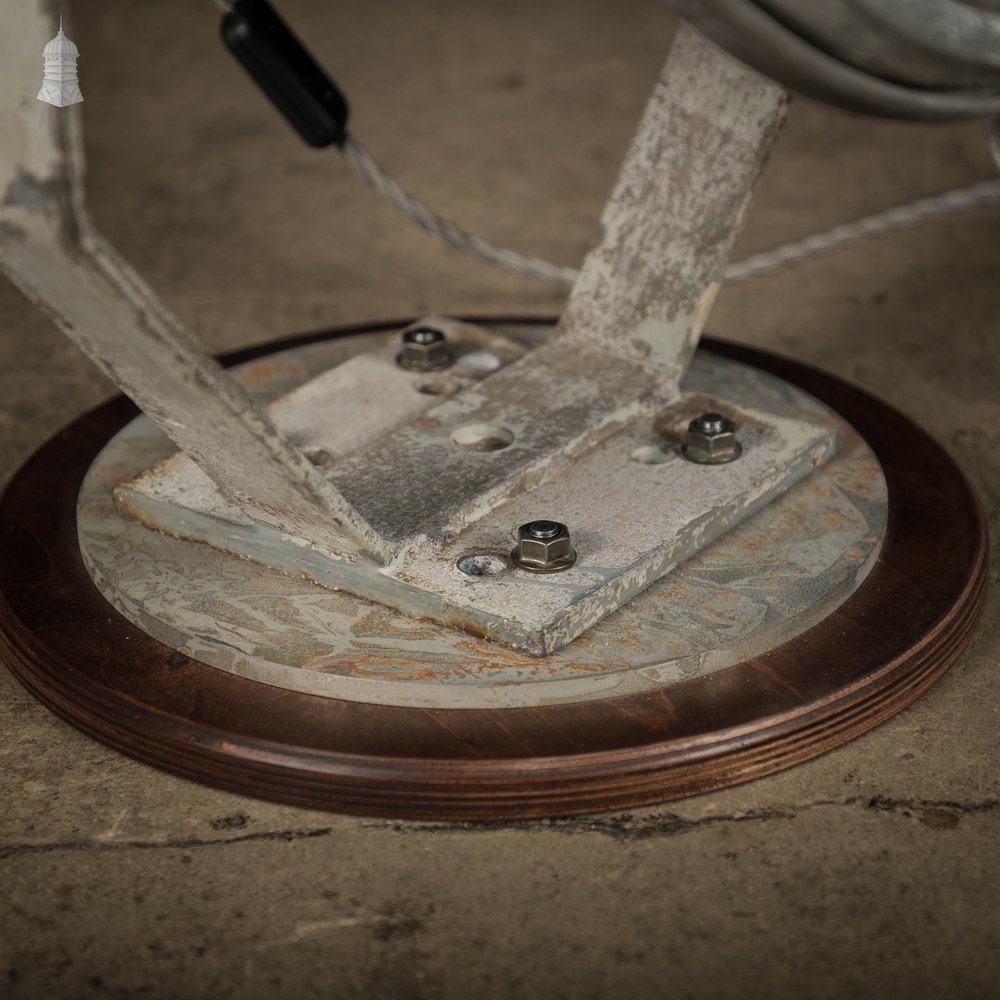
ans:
x=892 y=220
x=417 y=212
x=900 y=217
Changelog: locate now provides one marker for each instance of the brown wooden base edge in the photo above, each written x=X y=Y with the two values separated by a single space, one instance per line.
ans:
x=422 y=792
x=870 y=659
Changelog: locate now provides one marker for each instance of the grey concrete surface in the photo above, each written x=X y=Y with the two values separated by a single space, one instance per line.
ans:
x=871 y=872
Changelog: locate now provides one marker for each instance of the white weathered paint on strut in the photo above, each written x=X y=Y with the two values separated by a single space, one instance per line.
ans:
x=680 y=199
x=51 y=252
x=411 y=494
x=632 y=320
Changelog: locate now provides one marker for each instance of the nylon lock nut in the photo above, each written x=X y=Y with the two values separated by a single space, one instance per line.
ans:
x=425 y=349
x=711 y=440
x=543 y=547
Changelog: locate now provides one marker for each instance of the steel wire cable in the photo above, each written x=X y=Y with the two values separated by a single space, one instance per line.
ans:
x=891 y=220
x=416 y=211
x=906 y=216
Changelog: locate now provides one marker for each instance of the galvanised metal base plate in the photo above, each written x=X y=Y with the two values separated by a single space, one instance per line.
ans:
x=636 y=509
x=867 y=659
x=767 y=580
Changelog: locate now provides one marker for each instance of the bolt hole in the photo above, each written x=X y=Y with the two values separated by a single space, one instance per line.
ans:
x=482 y=564
x=482 y=437
x=651 y=454
x=437 y=386
x=479 y=364
x=319 y=457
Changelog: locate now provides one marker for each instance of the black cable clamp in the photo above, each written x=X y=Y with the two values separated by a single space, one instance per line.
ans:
x=282 y=67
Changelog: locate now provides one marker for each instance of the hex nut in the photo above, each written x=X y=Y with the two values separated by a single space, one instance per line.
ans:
x=543 y=547
x=425 y=349
x=711 y=440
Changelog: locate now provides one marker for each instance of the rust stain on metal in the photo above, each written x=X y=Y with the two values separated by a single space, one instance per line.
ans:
x=304 y=638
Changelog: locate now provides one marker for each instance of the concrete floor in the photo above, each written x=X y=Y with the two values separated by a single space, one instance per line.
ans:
x=871 y=872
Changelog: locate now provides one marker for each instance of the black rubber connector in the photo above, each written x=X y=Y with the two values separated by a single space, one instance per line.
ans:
x=282 y=67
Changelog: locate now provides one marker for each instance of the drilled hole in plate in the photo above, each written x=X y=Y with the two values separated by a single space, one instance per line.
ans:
x=651 y=454
x=482 y=564
x=479 y=364
x=437 y=386
x=482 y=437
x=319 y=457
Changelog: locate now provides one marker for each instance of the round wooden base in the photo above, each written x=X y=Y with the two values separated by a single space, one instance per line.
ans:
x=879 y=651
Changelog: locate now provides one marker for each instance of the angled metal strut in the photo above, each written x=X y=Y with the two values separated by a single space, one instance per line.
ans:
x=627 y=333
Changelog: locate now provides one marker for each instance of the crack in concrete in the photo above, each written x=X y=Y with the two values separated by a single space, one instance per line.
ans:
x=622 y=827
x=15 y=850
x=626 y=827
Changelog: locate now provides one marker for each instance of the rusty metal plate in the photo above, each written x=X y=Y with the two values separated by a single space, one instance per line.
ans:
x=765 y=581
